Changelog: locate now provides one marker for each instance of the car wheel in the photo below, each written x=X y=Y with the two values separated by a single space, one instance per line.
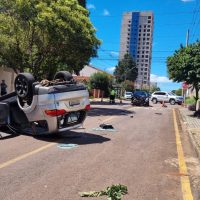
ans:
x=154 y=101
x=63 y=75
x=172 y=101
x=23 y=85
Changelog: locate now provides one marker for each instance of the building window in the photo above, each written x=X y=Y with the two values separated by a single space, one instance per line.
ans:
x=144 y=34
x=146 y=56
x=148 y=34
x=144 y=26
x=145 y=82
x=148 y=30
x=149 y=21
x=149 y=17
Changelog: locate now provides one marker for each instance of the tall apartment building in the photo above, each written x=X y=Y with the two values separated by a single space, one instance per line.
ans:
x=136 y=39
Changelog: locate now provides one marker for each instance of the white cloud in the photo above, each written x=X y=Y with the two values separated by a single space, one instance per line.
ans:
x=114 y=54
x=110 y=69
x=91 y=6
x=106 y=12
x=187 y=1
x=159 y=79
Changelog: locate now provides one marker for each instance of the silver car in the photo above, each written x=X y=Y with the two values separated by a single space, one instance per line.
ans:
x=167 y=97
x=44 y=107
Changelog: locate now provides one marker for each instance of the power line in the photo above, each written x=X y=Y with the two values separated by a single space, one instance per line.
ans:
x=172 y=13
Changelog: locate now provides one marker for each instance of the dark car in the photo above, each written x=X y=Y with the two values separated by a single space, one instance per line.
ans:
x=140 y=98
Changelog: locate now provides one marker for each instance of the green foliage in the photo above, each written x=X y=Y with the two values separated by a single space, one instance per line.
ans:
x=154 y=88
x=128 y=85
x=44 y=36
x=190 y=100
x=177 y=92
x=184 y=65
x=82 y=3
x=100 y=81
x=114 y=192
x=126 y=69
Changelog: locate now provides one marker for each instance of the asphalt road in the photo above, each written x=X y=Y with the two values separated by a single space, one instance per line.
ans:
x=141 y=154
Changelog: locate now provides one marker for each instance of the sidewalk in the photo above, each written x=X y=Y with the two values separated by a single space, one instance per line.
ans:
x=193 y=127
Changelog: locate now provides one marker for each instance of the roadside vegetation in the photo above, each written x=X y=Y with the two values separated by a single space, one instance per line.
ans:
x=184 y=65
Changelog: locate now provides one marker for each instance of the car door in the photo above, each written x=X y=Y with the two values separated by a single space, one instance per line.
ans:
x=162 y=96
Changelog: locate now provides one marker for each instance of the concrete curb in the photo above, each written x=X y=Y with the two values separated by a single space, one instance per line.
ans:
x=189 y=131
x=193 y=141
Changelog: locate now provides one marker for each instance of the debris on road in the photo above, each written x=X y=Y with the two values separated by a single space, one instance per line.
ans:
x=115 y=192
x=104 y=127
x=67 y=146
x=131 y=116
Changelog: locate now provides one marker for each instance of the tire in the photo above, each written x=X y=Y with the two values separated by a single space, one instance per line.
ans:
x=63 y=75
x=154 y=100
x=23 y=85
x=172 y=101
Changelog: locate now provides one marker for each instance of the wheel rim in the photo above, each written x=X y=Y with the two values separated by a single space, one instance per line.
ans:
x=21 y=86
x=172 y=102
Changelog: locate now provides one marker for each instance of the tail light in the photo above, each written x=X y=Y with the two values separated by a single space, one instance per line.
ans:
x=55 y=112
x=87 y=107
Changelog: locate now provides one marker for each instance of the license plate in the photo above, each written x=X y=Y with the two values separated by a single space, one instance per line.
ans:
x=74 y=103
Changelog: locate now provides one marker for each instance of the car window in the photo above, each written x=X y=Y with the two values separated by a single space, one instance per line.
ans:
x=129 y=93
x=140 y=93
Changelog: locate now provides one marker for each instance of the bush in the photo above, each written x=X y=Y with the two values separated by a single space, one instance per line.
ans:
x=192 y=107
x=190 y=100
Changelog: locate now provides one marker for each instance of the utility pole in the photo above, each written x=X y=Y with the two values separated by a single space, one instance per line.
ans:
x=187 y=37
x=187 y=41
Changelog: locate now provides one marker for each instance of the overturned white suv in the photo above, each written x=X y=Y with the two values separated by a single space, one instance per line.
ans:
x=167 y=97
x=44 y=107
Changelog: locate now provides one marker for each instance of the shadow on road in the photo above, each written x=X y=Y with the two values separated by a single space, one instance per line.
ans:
x=108 y=112
x=79 y=138
x=107 y=103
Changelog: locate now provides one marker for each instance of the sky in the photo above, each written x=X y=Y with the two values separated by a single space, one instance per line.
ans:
x=172 y=19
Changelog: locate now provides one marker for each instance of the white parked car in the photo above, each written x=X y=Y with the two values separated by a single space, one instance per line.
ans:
x=128 y=95
x=167 y=97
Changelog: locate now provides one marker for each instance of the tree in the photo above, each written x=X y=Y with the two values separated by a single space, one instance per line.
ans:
x=128 y=85
x=177 y=92
x=154 y=88
x=126 y=69
x=100 y=80
x=82 y=3
x=184 y=65
x=44 y=36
